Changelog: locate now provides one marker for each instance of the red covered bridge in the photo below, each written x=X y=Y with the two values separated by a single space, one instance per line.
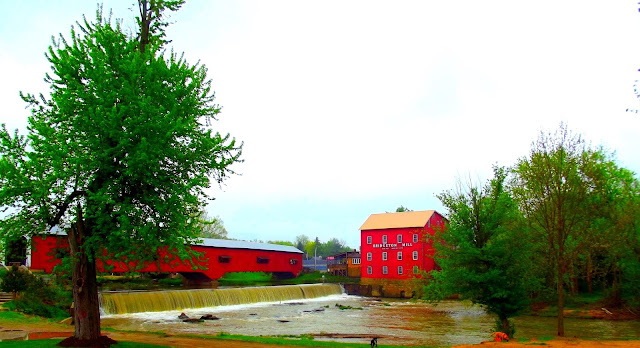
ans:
x=219 y=256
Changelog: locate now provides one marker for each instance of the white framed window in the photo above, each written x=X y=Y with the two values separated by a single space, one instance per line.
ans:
x=384 y=256
x=415 y=255
x=399 y=255
x=384 y=239
x=368 y=239
x=356 y=260
x=415 y=269
x=385 y=270
x=369 y=270
x=429 y=223
x=415 y=238
x=368 y=256
x=399 y=269
x=399 y=238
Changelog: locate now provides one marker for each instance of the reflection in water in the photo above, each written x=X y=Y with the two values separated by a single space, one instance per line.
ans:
x=399 y=322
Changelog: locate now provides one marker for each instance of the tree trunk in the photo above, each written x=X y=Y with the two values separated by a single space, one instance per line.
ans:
x=85 y=298
x=505 y=326
x=86 y=314
x=560 y=294
x=590 y=273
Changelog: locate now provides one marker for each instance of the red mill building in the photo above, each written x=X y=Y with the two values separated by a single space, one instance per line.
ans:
x=395 y=249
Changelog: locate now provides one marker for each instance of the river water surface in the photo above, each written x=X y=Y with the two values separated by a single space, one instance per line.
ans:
x=399 y=322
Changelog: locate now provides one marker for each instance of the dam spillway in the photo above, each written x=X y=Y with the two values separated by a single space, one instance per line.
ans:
x=157 y=301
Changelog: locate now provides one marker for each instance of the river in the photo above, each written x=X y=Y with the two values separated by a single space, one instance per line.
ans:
x=400 y=322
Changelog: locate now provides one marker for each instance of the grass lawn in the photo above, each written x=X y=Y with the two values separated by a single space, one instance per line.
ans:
x=54 y=342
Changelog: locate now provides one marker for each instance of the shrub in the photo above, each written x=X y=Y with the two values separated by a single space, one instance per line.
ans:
x=37 y=296
x=16 y=280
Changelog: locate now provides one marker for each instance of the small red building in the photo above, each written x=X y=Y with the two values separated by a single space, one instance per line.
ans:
x=396 y=250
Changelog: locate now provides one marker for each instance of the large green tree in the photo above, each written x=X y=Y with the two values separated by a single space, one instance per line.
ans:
x=555 y=189
x=119 y=155
x=483 y=252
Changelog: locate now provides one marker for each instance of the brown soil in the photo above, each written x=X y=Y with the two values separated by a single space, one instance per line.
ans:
x=101 y=342
x=556 y=343
x=53 y=330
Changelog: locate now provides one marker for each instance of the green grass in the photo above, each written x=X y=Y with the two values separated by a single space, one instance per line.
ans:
x=262 y=278
x=16 y=317
x=246 y=277
x=54 y=343
x=584 y=300
x=302 y=341
x=156 y=333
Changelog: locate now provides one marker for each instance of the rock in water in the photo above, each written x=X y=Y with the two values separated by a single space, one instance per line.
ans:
x=209 y=317
x=183 y=316
x=192 y=320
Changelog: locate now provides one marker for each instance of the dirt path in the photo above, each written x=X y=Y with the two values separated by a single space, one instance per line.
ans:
x=53 y=330
x=556 y=343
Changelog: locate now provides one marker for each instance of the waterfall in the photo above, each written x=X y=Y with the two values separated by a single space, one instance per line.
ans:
x=155 y=301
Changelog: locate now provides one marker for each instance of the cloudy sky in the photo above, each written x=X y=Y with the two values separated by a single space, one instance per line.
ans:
x=348 y=108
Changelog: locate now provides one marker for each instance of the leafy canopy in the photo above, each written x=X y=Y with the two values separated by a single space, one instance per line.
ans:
x=482 y=252
x=123 y=141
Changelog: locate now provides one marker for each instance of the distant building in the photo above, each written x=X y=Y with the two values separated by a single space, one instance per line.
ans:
x=396 y=249
x=346 y=264
x=319 y=264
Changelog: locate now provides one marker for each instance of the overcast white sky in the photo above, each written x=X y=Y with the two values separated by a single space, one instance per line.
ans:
x=349 y=108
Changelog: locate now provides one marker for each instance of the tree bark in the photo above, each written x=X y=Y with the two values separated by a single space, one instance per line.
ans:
x=85 y=290
x=86 y=314
x=505 y=325
x=560 y=294
x=589 y=273
x=85 y=299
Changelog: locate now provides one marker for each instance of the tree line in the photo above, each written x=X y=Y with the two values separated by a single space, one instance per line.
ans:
x=315 y=247
x=562 y=220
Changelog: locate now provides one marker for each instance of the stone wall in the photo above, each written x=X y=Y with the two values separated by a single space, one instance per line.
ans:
x=398 y=288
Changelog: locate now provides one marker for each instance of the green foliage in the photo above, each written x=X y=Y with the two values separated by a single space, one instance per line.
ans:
x=125 y=139
x=122 y=152
x=509 y=328
x=483 y=252
x=343 y=307
x=301 y=242
x=402 y=209
x=16 y=317
x=37 y=297
x=245 y=277
x=170 y=282
x=583 y=210
x=282 y=242
x=331 y=247
x=15 y=280
x=211 y=227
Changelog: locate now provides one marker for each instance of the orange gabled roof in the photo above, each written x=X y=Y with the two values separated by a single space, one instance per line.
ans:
x=397 y=220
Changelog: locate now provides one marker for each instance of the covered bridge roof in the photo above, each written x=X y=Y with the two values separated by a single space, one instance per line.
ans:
x=238 y=244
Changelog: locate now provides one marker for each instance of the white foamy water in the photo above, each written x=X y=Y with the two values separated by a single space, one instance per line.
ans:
x=197 y=312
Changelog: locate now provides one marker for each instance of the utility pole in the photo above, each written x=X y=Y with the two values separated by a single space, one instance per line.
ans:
x=315 y=255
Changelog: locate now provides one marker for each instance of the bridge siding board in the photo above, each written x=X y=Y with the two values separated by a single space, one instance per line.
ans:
x=242 y=259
